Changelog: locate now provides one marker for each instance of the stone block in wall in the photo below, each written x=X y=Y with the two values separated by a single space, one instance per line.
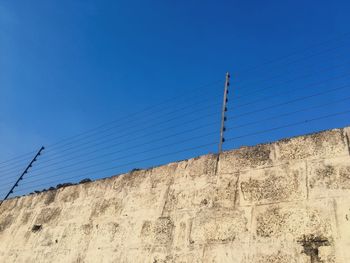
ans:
x=225 y=253
x=67 y=195
x=59 y=242
x=140 y=200
x=347 y=134
x=30 y=201
x=106 y=208
x=6 y=221
x=329 y=177
x=324 y=144
x=105 y=241
x=287 y=222
x=125 y=232
x=220 y=226
x=135 y=255
x=135 y=179
x=85 y=210
x=311 y=249
x=48 y=216
x=226 y=191
x=161 y=257
x=276 y=253
x=26 y=216
x=343 y=223
x=246 y=158
x=22 y=202
x=186 y=198
x=157 y=233
x=182 y=229
x=73 y=232
x=98 y=188
x=162 y=175
x=107 y=233
x=143 y=190
x=194 y=255
x=12 y=254
x=163 y=232
x=309 y=226
x=271 y=185
x=12 y=203
x=189 y=194
x=146 y=179
x=192 y=169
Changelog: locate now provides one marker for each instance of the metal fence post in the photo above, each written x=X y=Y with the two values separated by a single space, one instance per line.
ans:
x=21 y=177
x=223 y=112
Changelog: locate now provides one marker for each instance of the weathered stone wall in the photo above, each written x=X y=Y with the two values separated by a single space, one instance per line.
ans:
x=287 y=201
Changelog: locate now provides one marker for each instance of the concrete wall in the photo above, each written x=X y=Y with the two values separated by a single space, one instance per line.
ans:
x=287 y=201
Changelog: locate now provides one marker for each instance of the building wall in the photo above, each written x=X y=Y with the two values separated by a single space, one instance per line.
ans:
x=287 y=201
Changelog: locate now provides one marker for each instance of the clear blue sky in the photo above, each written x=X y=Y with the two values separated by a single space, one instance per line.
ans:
x=68 y=66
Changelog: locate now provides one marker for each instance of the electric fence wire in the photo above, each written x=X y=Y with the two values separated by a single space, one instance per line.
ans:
x=237 y=106
x=229 y=128
x=305 y=109
x=287 y=114
x=122 y=150
x=17 y=167
x=280 y=104
x=191 y=120
x=127 y=164
x=269 y=96
x=282 y=75
x=282 y=92
x=109 y=138
x=189 y=149
x=146 y=110
x=76 y=139
x=289 y=125
x=134 y=129
x=290 y=101
x=260 y=90
x=312 y=47
x=302 y=59
x=88 y=167
x=263 y=65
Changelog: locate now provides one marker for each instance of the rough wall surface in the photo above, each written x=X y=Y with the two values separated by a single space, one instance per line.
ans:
x=287 y=201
